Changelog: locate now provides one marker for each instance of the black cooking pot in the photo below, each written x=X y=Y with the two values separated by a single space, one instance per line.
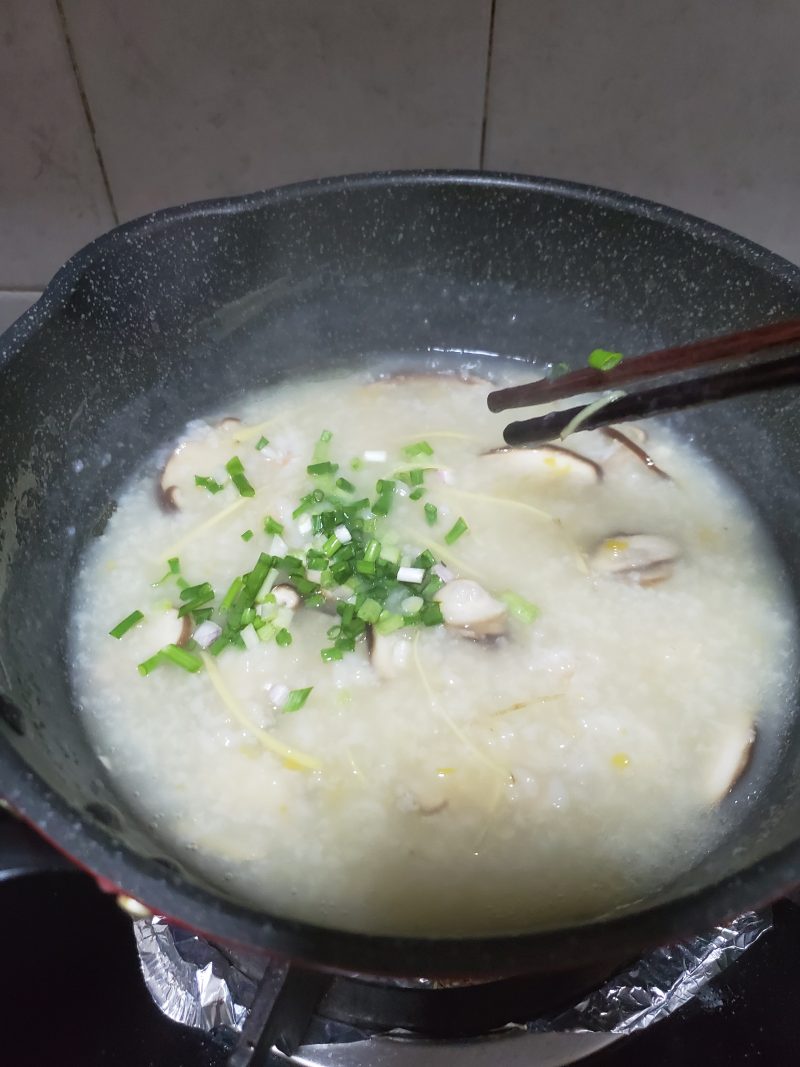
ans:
x=163 y=318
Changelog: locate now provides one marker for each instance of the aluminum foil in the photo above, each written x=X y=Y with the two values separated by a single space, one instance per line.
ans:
x=196 y=984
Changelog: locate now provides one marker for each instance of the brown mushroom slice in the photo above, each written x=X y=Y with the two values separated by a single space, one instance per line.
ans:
x=645 y=558
x=730 y=760
x=470 y=611
x=630 y=441
x=286 y=596
x=168 y=629
x=195 y=455
x=388 y=653
x=547 y=463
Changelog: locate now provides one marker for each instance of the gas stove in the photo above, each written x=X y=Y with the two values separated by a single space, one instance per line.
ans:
x=73 y=992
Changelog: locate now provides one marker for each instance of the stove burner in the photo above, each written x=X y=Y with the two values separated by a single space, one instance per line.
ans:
x=290 y=1014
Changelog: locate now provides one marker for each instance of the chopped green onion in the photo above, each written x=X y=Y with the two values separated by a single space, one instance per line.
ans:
x=247 y=535
x=522 y=608
x=150 y=665
x=283 y=638
x=127 y=623
x=322 y=468
x=181 y=658
x=296 y=699
x=365 y=566
x=330 y=654
x=370 y=610
x=236 y=470
x=425 y=559
x=458 y=528
x=174 y=565
x=418 y=492
x=389 y=622
x=211 y=484
x=431 y=614
x=272 y=526
x=345 y=485
x=316 y=600
x=325 y=436
x=372 y=550
x=432 y=587
x=421 y=448
x=601 y=359
x=230 y=596
x=356 y=463
x=431 y=514
x=191 y=592
x=262 y=442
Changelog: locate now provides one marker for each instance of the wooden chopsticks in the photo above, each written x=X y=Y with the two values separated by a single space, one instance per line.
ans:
x=757 y=375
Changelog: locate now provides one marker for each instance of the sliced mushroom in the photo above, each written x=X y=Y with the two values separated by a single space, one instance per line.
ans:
x=631 y=439
x=169 y=629
x=196 y=455
x=645 y=558
x=470 y=611
x=286 y=596
x=731 y=759
x=388 y=653
x=547 y=463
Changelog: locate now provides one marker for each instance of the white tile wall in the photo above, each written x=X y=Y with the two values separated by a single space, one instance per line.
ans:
x=52 y=199
x=687 y=101
x=691 y=102
x=199 y=98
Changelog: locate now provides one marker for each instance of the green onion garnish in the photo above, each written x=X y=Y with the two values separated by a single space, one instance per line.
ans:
x=211 y=484
x=127 y=623
x=297 y=698
x=389 y=622
x=522 y=608
x=330 y=654
x=272 y=526
x=262 y=442
x=150 y=665
x=230 y=596
x=601 y=359
x=236 y=470
x=431 y=614
x=326 y=467
x=418 y=492
x=370 y=610
x=181 y=658
x=421 y=448
x=372 y=550
x=283 y=638
x=192 y=592
x=356 y=463
x=345 y=485
x=325 y=436
x=431 y=514
x=458 y=528
x=247 y=535
x=174 y=565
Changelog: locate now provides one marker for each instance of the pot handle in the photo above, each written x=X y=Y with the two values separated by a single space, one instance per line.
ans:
x=23 y=851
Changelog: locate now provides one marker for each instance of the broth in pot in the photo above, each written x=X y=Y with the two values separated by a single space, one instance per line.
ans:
x=360 y=666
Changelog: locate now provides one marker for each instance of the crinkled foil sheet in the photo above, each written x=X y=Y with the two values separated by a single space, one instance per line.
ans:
x=196 y=984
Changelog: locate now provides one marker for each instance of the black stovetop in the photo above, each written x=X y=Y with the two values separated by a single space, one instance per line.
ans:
x=71 y=993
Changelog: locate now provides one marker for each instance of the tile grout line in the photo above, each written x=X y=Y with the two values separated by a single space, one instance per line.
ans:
x=487 y=79
x=86 y=109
